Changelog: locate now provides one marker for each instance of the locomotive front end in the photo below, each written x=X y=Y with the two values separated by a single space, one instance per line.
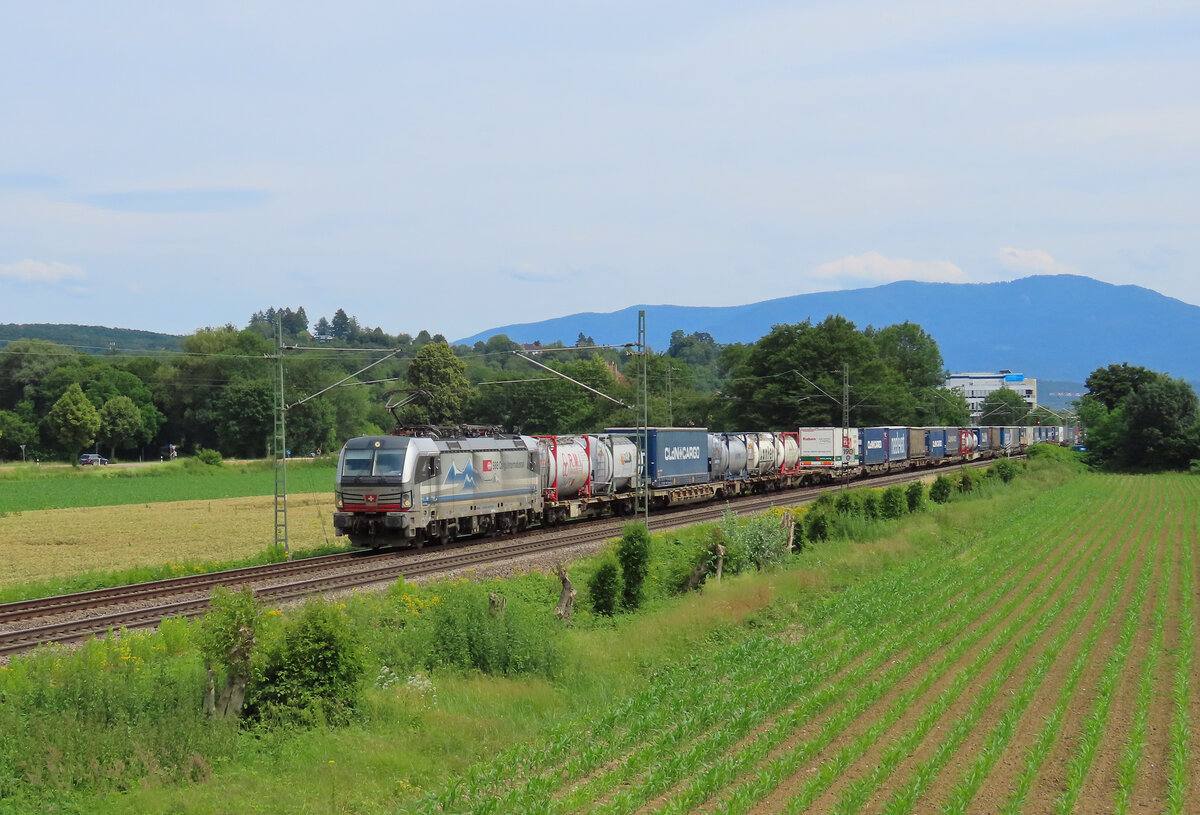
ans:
x=375 y=490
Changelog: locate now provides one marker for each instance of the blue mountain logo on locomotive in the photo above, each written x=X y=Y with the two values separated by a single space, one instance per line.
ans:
x=463 y=479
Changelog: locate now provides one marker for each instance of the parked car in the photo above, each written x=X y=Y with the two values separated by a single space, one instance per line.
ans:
x=92 y=458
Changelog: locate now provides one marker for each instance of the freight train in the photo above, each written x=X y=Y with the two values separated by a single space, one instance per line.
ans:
x=435 y=484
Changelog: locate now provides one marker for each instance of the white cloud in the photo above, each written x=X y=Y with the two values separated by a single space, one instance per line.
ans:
x=1034 y=261
x=37 y=271
x=874 y=267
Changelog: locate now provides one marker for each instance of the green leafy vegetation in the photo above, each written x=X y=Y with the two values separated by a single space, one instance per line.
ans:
x=1138 y=419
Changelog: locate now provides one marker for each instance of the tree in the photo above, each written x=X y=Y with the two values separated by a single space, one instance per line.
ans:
x=120 y=421
x=950 y=408
x=25 y=364
x=1140 y=419
x=14 y=432
x=1110 y=385
x=1003 y=407
x=439 y=373
x=1163 y=418
x=340 y=326
x=908 y=350
x=793 y=377
x=74 y=420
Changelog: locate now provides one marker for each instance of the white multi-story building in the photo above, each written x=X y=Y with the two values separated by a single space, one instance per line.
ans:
x=975 y=387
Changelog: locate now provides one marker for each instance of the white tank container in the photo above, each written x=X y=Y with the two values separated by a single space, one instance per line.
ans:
x=564 y=463
x=752 y=453
x=614 y=463
x=791 y=453
x=739 y=456
x=769 y=453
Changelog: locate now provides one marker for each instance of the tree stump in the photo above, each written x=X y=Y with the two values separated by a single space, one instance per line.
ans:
x=566 y=600
x=496 y=604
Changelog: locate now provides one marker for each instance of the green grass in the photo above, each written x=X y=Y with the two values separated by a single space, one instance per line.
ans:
x=24 y=489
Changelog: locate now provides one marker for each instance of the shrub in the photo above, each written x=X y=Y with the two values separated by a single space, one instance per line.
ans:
x=209 y=457
x=310 y=673
x=462 y=628
x=845 y=504
x=1004 y=469
x=939 y=491
x=967 y=481
x=603 y=588
x=914 y=495
x=633 y=552
x=755 y=541
x=893 y=504
x=817 y=527
x=870 y=505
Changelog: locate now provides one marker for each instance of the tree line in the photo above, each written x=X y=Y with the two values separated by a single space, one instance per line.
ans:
x=219 y=391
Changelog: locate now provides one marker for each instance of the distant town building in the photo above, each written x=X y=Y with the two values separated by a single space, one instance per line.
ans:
x=975 y=387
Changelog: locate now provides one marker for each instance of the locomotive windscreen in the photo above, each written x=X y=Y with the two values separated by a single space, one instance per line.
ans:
x=371 y=461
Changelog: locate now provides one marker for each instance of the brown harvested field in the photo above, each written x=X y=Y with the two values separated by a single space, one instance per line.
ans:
x=46 y=544
x=1047 y=668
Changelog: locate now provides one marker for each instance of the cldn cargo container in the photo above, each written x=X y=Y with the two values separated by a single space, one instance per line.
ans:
x=674 y=456
x=884 y=444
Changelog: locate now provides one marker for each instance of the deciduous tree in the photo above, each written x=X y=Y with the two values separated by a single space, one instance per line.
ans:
x=74 y=421
x=120 y=422
x=1003 y=407
x=439 y=373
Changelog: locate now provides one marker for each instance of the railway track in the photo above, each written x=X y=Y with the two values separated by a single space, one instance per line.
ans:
x=70 y=618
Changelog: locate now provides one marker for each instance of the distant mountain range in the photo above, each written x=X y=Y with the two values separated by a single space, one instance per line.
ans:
x=1052 y=327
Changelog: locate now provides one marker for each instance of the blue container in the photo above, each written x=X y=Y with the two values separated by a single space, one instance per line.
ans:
x=935 y=442
x=874 y=445
x=675 y=456
x=897 y=443
x=953 y=445
x=883 y=444
x=1010 y=437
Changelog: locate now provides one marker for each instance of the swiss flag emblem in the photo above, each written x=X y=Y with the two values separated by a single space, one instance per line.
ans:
x=487 y=465
x=371 y=499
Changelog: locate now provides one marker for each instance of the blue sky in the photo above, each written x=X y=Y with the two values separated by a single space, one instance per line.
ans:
x=457 y=166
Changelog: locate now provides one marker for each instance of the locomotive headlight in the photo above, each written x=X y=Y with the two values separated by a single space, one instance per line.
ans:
x=406 y=500
x=338 y=500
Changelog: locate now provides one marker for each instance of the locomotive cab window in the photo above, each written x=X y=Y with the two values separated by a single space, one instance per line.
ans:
x=371 y=462
x=358 y=462
x=427 y=468
x=390 y=462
